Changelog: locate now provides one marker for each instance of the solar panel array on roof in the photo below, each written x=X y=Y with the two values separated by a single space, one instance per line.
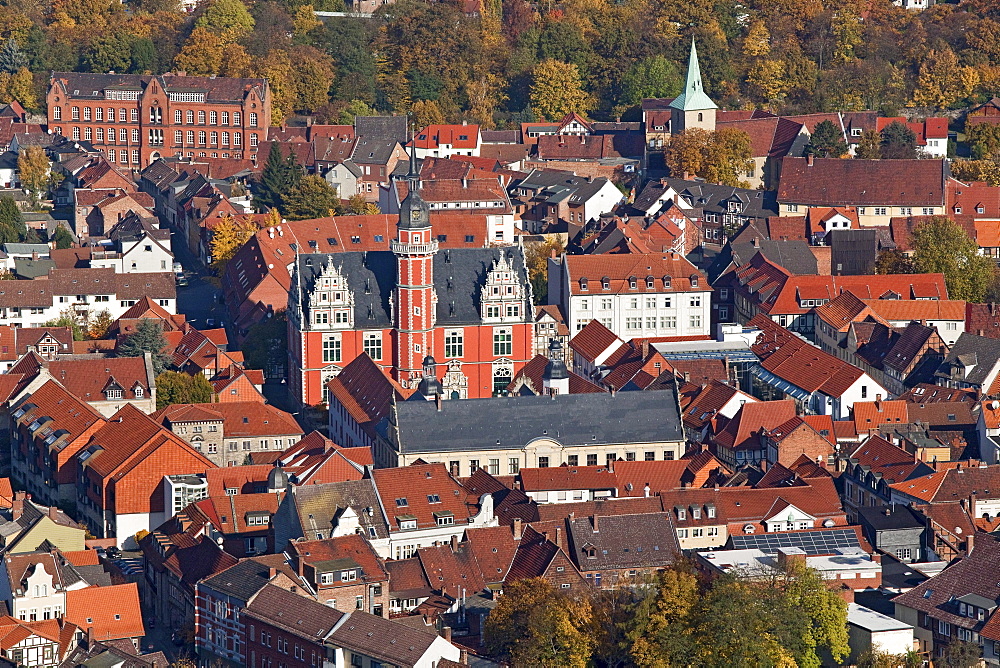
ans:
x=810 y=542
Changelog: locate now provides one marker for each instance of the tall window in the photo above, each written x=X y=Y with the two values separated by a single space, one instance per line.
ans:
x=201 y=137
x=373 y=345
x=57 y=113
x=99 y=113
x=236 y=118
x=178 y=116
x=253 y=119
x=100 y=134
x=253 y=139
x=213 y=117
x=502 y=341
x=134 y=115
x=331 y=349
x=123 y=134
x=135 y=135
x=121 y=115
x=225 y=118
x=237 y=139
x=225 y=139
x=190 y=136
x=454 y=343
x=76 y=113
x=214 y=137
x=201 y=118
x=189 y=116
x=88 y=133
x=76 y=133
x=178 y=137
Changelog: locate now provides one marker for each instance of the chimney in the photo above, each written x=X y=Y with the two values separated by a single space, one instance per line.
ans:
x=810 y=160
x=685 y=175
x=53 y=513
x=34 y=255
x=437 y=401
x=465 y=122
x=596 y=529
x=559 y=537
x=687 y=376
x=446 y=633
x=518 y=528
x=645 y=490
x=17 y=506
x=463 y=657
x=271 y=572
x=790 y=555
x=454 y=542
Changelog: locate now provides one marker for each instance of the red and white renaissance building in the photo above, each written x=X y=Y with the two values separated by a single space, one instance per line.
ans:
x=469 y=309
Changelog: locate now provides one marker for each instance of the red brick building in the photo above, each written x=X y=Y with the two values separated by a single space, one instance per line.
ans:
x=135 y=119
x=471 y=308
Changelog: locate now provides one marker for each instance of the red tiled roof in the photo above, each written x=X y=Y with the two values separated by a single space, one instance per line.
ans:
x=641 y=266
x=805 y=366
x=593 y=340
x=428 y=491
x=881 y=456
x=494 y=549
x=836 y=182
x=240 y=418
x=458 y=136
x=918 y=309
x=752 y=417
x=107 y=613
x=533 y=370
x=567 y=478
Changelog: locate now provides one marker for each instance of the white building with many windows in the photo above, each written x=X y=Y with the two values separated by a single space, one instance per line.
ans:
x=633 y=295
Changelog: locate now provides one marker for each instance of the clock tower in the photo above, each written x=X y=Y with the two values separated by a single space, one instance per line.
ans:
x=414 y=299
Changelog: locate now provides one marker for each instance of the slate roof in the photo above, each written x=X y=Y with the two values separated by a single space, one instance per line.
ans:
x=976 y=574
x=712 y=198
x=293 y=613
x=459 y=275
x=397 y=644
x=574 y=419
x=979 y=353
x=317 y=505
x=216 y=89
x=624 y=541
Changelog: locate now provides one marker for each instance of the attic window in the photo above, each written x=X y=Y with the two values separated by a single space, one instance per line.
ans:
x=583 y=284
x=469 y=238
x=632 y=283
x=246 y=420
x=118 y=618
x=402 y=502
x=433 y=498
x=694 y=281
x=649 y=282
x=379 y=238
x=606 y=283
x=666 y=282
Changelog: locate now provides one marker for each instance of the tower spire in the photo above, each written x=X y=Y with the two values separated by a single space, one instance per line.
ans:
x=693 y=98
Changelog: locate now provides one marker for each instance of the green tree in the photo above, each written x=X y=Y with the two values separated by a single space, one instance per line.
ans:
x=942 y=246
x=12 y=58
x=535 y=624
x=652 y=77
x=173 y=387
x=266 y=343
x=277 y=178
x=984 y=141
x=312 y=197
x=12 y=227
x=556 y=90
x=826 y=141
x=893 y=261
x=353 y=109
x=70 y=320
x=961 y=654
x=229 y=19
x=898 y=142
x=147 y=338
x=869 y=146
x=62 y=237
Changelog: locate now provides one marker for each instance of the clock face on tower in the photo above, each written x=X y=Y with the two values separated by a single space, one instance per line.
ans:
x=416 y=216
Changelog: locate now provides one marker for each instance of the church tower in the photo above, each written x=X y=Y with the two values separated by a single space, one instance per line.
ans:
x=414 y=299
x=692 y=108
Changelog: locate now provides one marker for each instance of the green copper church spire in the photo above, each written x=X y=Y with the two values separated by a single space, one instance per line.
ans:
x=693 y=98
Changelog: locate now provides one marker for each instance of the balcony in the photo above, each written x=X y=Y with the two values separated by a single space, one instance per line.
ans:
x=413 y=249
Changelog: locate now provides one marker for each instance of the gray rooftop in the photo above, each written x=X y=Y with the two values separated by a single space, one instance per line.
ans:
x=511 y=422
x=459 y=275
x=971 y=359
x=240 y=581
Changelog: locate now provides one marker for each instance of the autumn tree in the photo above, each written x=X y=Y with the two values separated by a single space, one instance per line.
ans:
x=869 y=146
x=898 y=142
x=724 y=156
x=201 y=55
x=942 y=82
x=147 y=338
x=556 y=90
x=661 y=632
x=230 y=20
x=941 y=246
x=359 y=206
x=313 y=77
x=33 y=166
x=893 y=261
x=534 y=623
x=99 y=324
x=826 y=141
x=227 y=238
x=536 y=257
x=976 y=170
x=426 y=112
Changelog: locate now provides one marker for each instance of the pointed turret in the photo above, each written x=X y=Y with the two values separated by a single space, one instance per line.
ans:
x=692 y=108
x=414 y=212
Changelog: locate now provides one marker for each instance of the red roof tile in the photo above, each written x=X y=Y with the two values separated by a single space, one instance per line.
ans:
x=107 y=613
x=836 y=182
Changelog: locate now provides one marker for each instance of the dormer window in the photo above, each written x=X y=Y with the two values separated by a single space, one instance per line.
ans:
x=407 y=522
x=349 y=576
x=138 y=392
x=649 y=282
x=583 y=284
x=694 y=281
x=632 y=283
x=710 y=511
x=696 y=513
x=681 y=513
x=666 y=282
x=326 y=578
x=605 y=283
x=114 y=394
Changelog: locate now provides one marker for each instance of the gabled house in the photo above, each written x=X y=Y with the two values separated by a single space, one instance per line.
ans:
x=109 y=614
x=871 y=469
x=615 y=550
x=344 y=573
x=972 y=363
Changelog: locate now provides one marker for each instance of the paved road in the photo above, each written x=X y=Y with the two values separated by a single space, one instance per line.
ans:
x=199 y=299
